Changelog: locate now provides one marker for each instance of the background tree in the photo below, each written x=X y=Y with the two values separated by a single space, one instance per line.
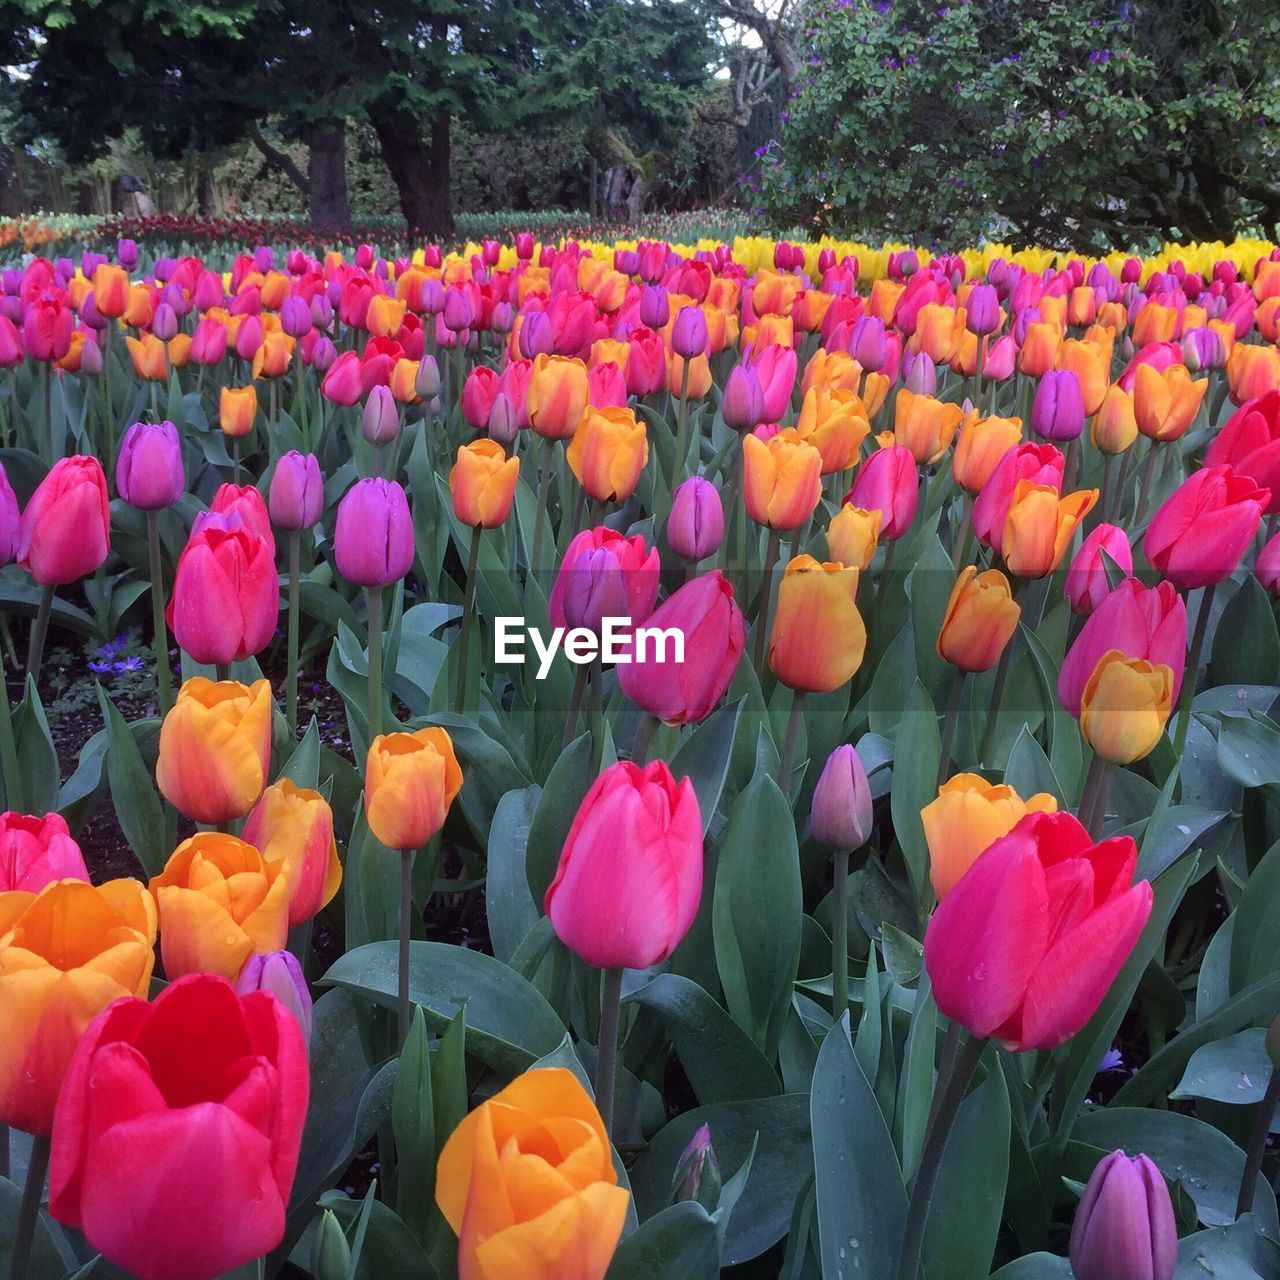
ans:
x=1089 y=124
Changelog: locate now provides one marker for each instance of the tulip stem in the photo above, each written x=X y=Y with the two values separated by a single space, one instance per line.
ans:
x=1093 y=799
x=48 y=410
x=644 y=736
x=1144 y=488
x=1188 y=691
x=291 y=685
x=950 y=1093
x=682 y=427
x=374 y=597
x=235 y=458
x=1262 y=1119
x=544 y=484
x=766 y=593
x=607 y=1047
x=164 y=698
x=949 y=724
x=32 y=1193
x=406 y=927
x=575 y=705
x=468 y=608
x=840 y=937
x=963 y=534
x=39 y=630
x=222 y=671
x=789 y=742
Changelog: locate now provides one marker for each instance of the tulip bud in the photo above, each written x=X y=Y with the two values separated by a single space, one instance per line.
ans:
x=743 y=405
x=380 y=421
x=524 y=246
x=537 y=335
x=840 y=816
x=295 y=316
x=91 y=356
x=697 y=1174
x=980 y=620
x=695 y=527
x=919 y=374
x=655 y=307
x=1124 y=1224
x=279 y=973
x=127 y=254
x=427 y=383
x=689 y=336
x=296 y=497
x=867 y=343
x=164 y=324
x=149 y=472
x=1125 y=706
x=1057 y=413
x=330 y=1253
x=982 y=310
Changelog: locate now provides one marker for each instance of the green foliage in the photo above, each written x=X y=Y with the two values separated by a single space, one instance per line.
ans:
x=1088 y=124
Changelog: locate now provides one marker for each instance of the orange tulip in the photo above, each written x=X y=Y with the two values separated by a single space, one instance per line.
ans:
x=483 y=484
x=980 y=620
x=980 y=444
x=853 y=534
x=1266 y=280
x=1115 y=427
x=110 y=290
x=1113 y=316
x=810 y=309
x=1252 y=371
x=150 y=359
x=1165 y=404
x=875 y=391
x=293 y=826
x=1092 y=366
x=385 y=316
x=1082 y=305
x=938 y=331
x=65 y=954
x=274 y=290
x=271 y=360
x=1155 y=323
x=140 y=307
x=699 y=376
x=1125 y=706
x=835 y=423
x=968 y=816
x=1040 y=348
x=883 y=300
x=557 y=396
x=180 y=350
x=527 y=1183
x=609 y=351
x=404 y=381
x=215 y=748
x=1039 y=526
x=774 y=293
x=219 y=902
x=781 y=480
x=818 y=638
x=411 y=779
x=1053 y=310
x=608 y=452
x=924 y=425
x=70 y=363
x=832 y=370
x=237 y=408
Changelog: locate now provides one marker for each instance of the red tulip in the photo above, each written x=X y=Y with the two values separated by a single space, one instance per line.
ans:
x=177 y=1130
x=37 y=850
x=887 y=482
x=46 y=327
x=630 y=874
x=1087 y=582
x=1250 y=442
x=1030 y=939
x=1039 y=463
x=706 y=614
x=1203 y=528
x=226 y=595
x=1142 y=622
x=66 y=528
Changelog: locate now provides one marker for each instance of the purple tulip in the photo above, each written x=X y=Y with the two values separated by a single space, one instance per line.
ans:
x=373 y=537
x=279 y=973
x=655 y=307
x=743 y=403
x=537 y=335
x=695 y=527
x=840 y=815
x=149 y=471
x=380 y=421
x=982 y=310
x=164 y=323
x=1124 y=1227
x=1057 y=412
x=689 y=333
x=127 y=254
x=296 y=497
x=295 y=316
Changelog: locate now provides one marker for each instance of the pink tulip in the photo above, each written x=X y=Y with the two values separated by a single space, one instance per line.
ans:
x=342 y=384
x=602 y=570
x=706 y=614
x=66 y=528
x=1087 y=582
x=1267 y=569
x=1039 y=463
x=630 y=875
x=35 y=851
x=1250 y=442
x=888 y=482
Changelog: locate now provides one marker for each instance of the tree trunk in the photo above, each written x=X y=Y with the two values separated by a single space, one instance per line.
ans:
x=327 y=203
x=419 y=166
x=206 y=203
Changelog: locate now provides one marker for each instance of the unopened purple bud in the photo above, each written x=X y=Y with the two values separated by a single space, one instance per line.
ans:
x=743 y=405
x=1057 y=412
x=149 y=471
x=919 y=374
x=504 y=422
x=426 y=381
x=164 y=324
x=380 y=422
x=655 y=307
x=323 y=354
x=296 y=496
x=840 y=816
x=279 y=973
x=695 y=527
x=1124 y=1226
x=689 y=333
x=537 y=335
x=982 y=310
x=697 y=1175
x=295 y=316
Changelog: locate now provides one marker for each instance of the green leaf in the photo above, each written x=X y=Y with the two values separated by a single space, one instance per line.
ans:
x=388 y=1244
x=136 y=803
x=1235 y=1069
x=677 y=1244
x=917 y=747
x=1036 y=1266
x=782 y=1164
x=1246 y=645
x=38 y=771
x=968 y=1201
x=303 y=767
x=509 y=1025
x=413 y=1123
x=1249 y=750
x=722 y=1063
x=44 y=1253
x=758 y=880
x=1028 y=770
x=567 y=786
x=510 y=907
x=1241 y=1251
x=704 y=757
x=860 y=1214
x=1255 y=941
x=915 y=1085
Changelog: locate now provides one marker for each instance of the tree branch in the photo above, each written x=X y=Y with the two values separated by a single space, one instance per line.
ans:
x=277 y=159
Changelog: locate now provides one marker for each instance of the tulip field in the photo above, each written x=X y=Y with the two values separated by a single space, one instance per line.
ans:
x=638 y=760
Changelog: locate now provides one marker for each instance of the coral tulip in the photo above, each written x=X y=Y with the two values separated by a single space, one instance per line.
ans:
x=608 y=452
x=1039 y=525
x=557 y=397
x=781 y=480
x=411 y=779
x=980 y=445
x=237 y=408
x=66 y=526
x=293 y=826
x=980 y=620
x=483 y=484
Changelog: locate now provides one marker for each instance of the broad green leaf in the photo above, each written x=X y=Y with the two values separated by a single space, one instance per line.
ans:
x=917 y=747
x=133 y=795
